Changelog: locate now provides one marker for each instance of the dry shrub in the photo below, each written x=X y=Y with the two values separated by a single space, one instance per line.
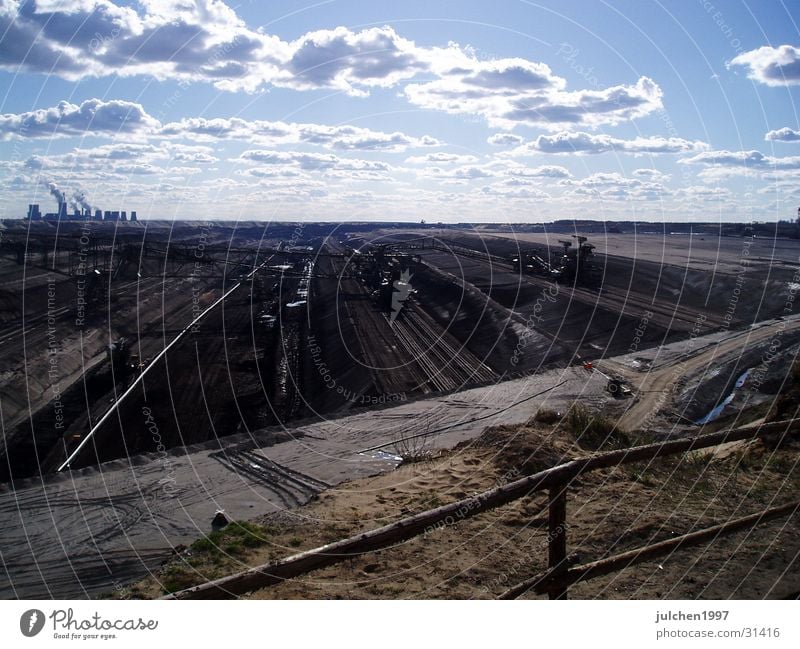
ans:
x=594 y=431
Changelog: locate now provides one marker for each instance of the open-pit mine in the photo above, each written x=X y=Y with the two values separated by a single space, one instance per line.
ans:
x=162 y=381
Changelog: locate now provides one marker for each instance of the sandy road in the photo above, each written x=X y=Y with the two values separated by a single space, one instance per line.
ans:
x=655 y=385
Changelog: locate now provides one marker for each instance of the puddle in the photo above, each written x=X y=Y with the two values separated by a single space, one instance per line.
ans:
x=383 y=455
x=717 y=410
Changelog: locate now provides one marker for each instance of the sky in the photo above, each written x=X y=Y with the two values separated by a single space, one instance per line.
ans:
x=444 y=110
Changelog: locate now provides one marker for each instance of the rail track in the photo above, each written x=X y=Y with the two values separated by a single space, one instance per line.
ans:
x=447 y=365
x=411 y=353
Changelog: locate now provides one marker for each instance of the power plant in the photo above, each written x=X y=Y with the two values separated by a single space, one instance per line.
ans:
x=81 y=210
x=77 y=214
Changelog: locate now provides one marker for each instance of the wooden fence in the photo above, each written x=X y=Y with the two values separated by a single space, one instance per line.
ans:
x=559 y=576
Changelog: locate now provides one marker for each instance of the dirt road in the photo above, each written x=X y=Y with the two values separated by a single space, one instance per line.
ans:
x=655 y=384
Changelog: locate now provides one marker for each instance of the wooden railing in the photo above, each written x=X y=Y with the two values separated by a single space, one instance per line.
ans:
x=558 y=577
x=556 y=480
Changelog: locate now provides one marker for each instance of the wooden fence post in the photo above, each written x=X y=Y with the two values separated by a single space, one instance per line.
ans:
x=557 y=535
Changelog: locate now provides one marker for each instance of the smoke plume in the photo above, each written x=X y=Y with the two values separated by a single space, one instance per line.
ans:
x=57 y=193
x=79 y=200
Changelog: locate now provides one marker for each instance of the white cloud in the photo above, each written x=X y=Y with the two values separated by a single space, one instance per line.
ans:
x=271 y=172
x=137 y=169
x=340 y=58
x=306 y=161
x=773 y=66
x=498 y=190
x=109 y=118
x=716 y=175
x=543 y=171
x=345 y=138
x=203 y=40
x=651 y=174
x=785 y=134
x=512 y=173
x=505 y=139
x=112 y=161
x=198 y=157
x=580 y=142
x=590 y=107
x=110 y=153
x=442 y=158
x=705 y=194
x=90 y=117
x=311 y=161
x=487 y=88
x=118 y=151
x=189 y=41
x=753 y=160
x=207 y=41
x=507 y=92
x=781 y=189
x=614 y=186
x=782 y=175
x=462 y=173
x=602 y=179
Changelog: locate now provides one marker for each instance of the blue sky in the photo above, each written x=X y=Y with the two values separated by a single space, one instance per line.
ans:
x=444 y=110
